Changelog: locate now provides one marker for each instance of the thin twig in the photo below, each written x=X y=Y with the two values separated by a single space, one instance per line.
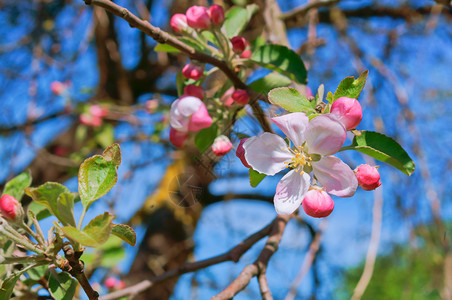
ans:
x=260 y=265
x=263 y=287
x=307 y=262
x=232 y=255
x=373 y=246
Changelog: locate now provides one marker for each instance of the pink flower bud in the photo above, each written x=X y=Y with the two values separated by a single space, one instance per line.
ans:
x=348 y=111
x=216 y=14
x=10 y=208
x=241 y=97
x=111 y=282
x=98 y=111
x=317 y=204
x=198 y=17
x=189 y=114
x=221 y=145
x=57 y=87
x=179 y=23
x=193 y=90
x=152 y=105
x=246 y=54
x=226 y=99
x=368 y=177
x=177 y=138
x=238 y=44
x=193 y=71
x=90 y=120
x=240 y=153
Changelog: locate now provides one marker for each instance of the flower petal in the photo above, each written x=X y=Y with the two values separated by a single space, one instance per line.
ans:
x=265 y=153
x=335 y=176
x=188 y=105
x=294 y=126
x=290 y=192
x=325 y=135
x=177 y=120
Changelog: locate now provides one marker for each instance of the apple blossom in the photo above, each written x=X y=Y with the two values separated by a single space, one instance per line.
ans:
x=189 y=114
x=238 y=44
x=246 y=54
x=152 y=105
x=221 y=145
x=179 y=23
x=216 y=13
x=57 y=87
x=98 y=111
x=241 y=97
x=368 y=177
x=226 y=99
x=317 y=204
x=314 y=143
x=177 y=138
x=193 y=71
x=348 y=111
x=90 y=120
x=198 y=17
x=240 y=153
x=193 y=90
x=10 y=208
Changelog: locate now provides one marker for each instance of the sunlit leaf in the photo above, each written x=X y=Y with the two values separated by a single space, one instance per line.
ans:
x=290 y=99
x=62 y=286
x=125 y=232
x=255 y=177
x=351 y=87
x=265 y=84
x=15 y=187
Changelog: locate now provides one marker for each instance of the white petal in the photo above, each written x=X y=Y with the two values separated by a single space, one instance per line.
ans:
x=325 y=135
x=265 y=153
x=177 y=120
x=294 y=126
x=335 y=176
x=290 y=192
x=188 y=105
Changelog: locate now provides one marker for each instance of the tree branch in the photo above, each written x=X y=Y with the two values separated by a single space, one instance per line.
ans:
x=164 y=37
x=260 y=265
x=232 y=255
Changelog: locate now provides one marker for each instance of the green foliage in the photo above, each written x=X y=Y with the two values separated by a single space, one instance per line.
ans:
x=15 y=187
x=205 y=137
x=107 y=255
x=105 y=136
x=408 y=272
x=351 y=87
x=98 y=174
x=273 y=80
x=291 y=100
x=255 y=177
x=125 y=232
x=94 y=234
x=65 y=206
x=282 y=60
x=235 y=22
x=62 y=286
x=7 y=286
x=165 y=48
x=384 y=149
x=48 y=195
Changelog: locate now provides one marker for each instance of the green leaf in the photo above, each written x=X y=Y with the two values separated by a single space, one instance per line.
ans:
x=39 y=211
x=265 y=84
x=255 y=177
x=37 y=272
x=109 y=254
x=351 y=87
x=98 y=174
x=15 y=187
x=209 y=37
x=165 y=48
x=106 y=135
x=384 y=149
x=282 y=60
x=236 y=21
x=290 y=99
x=7 y=286
x=65 y=206
x=205 y=137
x=62 y=286
x=125 y=232
x=180 y=83
x=48 y=195
x=94 y=234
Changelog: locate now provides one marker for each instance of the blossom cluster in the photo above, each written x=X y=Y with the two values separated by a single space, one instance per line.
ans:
x=314 y=144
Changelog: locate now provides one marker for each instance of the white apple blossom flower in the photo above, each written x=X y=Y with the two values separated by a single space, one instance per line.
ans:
x=314 y=143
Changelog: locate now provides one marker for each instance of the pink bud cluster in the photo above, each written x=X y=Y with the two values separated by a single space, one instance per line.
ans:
x=241 y=46
x=94 y=116
x=113 y=283
x=238 y=96
x=193 y=71
x=221 y=145
x=10 y=208
x=58 y=88
x=198 y=17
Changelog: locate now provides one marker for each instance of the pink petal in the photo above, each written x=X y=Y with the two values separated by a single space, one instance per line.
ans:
x=325 y=135
x=177 y=138
x=265 y=153
x=290 y=192
x=294 y=126
x=200 y=119
x=335 y=176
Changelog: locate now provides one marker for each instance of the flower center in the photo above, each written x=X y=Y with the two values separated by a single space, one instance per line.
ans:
x=299 y=160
